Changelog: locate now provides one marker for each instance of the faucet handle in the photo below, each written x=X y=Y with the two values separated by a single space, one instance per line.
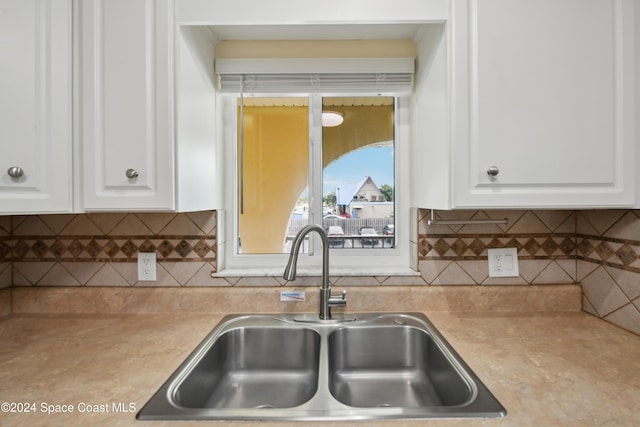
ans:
x=338 y=301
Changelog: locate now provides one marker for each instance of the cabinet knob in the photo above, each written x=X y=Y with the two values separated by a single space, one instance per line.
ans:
x=15 y=172
x=493 y=171
x=131 y=173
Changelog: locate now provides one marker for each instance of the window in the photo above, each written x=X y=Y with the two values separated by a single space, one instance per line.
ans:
x=286 y=170
x=274 y=200
x=357 y=165
x=273 y=173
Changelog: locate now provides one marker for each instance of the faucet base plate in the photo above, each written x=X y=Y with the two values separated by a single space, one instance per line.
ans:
x=314 y=318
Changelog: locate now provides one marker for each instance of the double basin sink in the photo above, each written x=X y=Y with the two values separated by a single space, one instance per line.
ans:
x=295 y=367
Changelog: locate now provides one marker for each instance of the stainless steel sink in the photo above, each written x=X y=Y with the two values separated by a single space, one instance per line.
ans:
x=286 y=367
x=393 y=366
x=254 y=368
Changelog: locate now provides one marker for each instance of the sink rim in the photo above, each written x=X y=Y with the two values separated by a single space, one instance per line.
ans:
x=322 y=405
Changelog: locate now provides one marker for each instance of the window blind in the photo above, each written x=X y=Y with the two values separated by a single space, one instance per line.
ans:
x=315 y=75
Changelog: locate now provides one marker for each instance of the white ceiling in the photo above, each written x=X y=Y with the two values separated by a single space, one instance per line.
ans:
x=316 y=32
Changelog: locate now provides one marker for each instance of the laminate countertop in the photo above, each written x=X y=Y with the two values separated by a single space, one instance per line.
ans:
x=547 y=369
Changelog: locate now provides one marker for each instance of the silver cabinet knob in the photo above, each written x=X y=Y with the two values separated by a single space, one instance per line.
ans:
x=493 y=171
x=15 y=172
x=131 y=173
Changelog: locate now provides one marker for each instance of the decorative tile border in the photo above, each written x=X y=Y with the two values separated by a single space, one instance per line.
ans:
x=107 y=249
x=6 y=245
x=613 y=252
x=474 y=247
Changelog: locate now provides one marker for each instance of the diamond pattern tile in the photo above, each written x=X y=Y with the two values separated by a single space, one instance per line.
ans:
x=75 y=248
x=106 y=249
x=604 y=251
x=184 y=248
x=459 y=247
x=549 y=246
x=5 y=250
x=553 y=246
x=441 y=247
x=96 y=249
x=626 y=255
x=601 y=248
x=165 y=248
x=129 y=248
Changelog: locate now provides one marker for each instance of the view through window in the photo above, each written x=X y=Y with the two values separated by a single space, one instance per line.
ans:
x=275 y=163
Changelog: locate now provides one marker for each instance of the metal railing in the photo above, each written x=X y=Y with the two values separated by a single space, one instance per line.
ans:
x=351 y=228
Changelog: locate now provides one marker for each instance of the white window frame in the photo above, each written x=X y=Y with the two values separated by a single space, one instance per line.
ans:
x=348 y=262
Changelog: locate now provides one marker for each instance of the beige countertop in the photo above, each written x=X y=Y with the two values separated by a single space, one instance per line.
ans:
x=554 y=369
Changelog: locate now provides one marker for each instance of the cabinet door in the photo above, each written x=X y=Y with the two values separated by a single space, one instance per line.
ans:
x=127 y=104
x=35 y=106
x=549 y=98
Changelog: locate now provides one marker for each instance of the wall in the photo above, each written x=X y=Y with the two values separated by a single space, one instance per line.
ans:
x=599 y=248
x=383 y=48
x=608 y=265
x=5 y=252
x=101 y=249
x=457 y=254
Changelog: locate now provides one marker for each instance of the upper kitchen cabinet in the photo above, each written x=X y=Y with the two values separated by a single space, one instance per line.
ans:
x=637 y=98
x=35 y=106
x=540 y=104
x=127 y=105
x=146 y=113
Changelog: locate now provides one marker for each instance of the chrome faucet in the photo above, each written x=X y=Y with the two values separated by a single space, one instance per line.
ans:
x=326 y=300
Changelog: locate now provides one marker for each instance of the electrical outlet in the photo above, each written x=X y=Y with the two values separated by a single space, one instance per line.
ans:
x=503 y=262
x=146 y=266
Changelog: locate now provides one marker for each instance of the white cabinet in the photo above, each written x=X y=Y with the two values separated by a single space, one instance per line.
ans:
x=637 y=99
x=147 y=109
x=127 y=104
x=542 y=90
x=35 y=106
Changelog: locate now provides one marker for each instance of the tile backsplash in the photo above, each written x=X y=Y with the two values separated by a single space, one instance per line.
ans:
x=598 y=248
x=5 y=252
x=608 y=263
x=101 y=249
x=457 y=254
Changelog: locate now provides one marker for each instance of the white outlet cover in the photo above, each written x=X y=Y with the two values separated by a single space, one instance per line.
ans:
x=147 y=266
x=503 y=262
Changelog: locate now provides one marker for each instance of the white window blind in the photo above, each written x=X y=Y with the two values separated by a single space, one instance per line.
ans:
x=316 y=75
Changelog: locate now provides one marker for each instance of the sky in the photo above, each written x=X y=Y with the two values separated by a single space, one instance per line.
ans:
x=354 y=167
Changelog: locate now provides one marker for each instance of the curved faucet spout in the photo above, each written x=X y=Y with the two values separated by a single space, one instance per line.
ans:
x=325 y=291
x=290 y=270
